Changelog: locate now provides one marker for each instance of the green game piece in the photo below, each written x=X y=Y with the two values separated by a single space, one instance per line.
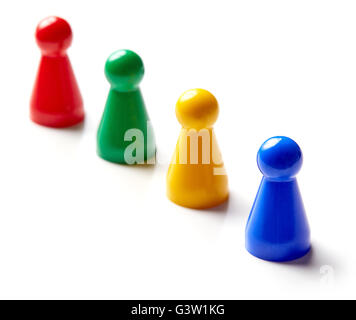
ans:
x=125 y=134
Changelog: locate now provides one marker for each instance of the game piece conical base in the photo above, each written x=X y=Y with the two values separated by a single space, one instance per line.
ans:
x=56 y=100
x=125 y=111
x=277 y=229
x=197 y=186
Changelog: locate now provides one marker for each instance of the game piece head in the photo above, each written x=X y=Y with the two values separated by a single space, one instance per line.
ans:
x=53 y=36
x=124 y=70
x=279 y=158
x=197 y=108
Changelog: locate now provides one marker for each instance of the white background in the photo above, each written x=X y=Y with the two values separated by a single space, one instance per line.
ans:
x=75 y=226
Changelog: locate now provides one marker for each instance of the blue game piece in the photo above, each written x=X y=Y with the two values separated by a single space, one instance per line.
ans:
x=277 y=228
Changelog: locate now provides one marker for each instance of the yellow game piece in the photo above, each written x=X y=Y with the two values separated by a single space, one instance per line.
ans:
x=196 y=177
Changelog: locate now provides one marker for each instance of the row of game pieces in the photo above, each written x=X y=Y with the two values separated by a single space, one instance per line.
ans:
x=277 y=228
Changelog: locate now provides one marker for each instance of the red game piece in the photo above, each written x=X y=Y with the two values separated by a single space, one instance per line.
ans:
x=56 y=99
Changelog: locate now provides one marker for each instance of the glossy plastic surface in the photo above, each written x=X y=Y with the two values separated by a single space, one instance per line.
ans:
x=277 y=228
x=56 y=99
x=124 y=110
x=197 y=184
